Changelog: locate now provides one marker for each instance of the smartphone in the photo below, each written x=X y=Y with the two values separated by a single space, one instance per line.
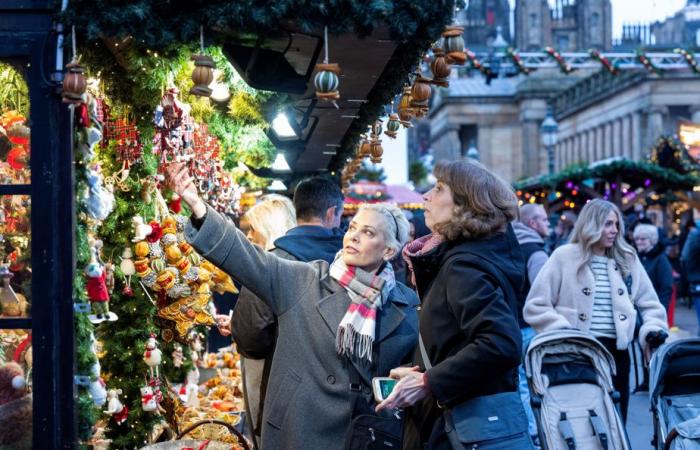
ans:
x=382 y=387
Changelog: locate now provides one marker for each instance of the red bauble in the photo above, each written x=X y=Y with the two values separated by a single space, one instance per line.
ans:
x=17 y=158
x=157 y=232
x=128 y=291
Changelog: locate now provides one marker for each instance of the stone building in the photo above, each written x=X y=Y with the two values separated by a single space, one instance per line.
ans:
x=683 y=28
x=480 y=20
x=570 y=25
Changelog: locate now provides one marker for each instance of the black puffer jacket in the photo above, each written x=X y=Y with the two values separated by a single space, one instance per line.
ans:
x=469 y=327
x=660 y=272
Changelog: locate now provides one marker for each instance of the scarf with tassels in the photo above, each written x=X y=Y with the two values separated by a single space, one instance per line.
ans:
x=419 y=247
x=368 y=292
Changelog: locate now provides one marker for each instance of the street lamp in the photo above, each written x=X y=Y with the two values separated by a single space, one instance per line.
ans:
x=549 y=130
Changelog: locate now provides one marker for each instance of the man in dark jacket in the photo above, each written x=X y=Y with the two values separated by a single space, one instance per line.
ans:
x=319 y=204
x=690 y=261
x=531 y=230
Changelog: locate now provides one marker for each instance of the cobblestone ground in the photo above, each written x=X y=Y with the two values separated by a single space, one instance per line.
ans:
x=639 y=422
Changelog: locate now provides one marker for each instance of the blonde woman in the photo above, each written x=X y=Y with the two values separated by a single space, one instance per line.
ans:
x=350 y=317
x=594 y=284
x=266 y=221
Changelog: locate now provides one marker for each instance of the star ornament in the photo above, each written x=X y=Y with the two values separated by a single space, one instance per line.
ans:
x=188 y=312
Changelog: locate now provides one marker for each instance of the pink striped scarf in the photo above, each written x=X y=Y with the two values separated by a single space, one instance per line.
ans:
x=368 y=292
x=418 y=247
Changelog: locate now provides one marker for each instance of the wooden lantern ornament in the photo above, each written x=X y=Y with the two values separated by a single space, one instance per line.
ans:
x=364 y=147
x=405 y=110
x=377 y=151
x=74 y=83
x=454 y=45
x=203 y=75
x=440 y=67
x=392 y=126
x=326 y=79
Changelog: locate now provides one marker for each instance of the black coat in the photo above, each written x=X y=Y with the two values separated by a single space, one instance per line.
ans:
x=469 y=327
x=660 y=272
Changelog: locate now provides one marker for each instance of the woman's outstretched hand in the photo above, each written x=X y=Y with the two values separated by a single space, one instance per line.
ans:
x=410 y=389
x=180 y=181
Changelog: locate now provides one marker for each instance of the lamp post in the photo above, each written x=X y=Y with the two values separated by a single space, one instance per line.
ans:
x=548 y=131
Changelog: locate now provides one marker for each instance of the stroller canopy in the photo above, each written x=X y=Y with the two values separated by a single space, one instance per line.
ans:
x=678 y=359
x=567 y=345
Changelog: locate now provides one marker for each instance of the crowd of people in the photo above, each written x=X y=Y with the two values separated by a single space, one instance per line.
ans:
x=446 y=307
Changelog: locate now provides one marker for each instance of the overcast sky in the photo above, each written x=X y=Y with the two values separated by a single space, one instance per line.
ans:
x=635 y=11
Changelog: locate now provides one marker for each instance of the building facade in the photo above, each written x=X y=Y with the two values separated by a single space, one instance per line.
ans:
x=480 y=20
x=570 y=25
x=683 y=28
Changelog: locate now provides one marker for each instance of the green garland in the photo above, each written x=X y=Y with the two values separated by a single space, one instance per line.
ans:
x=635 y=173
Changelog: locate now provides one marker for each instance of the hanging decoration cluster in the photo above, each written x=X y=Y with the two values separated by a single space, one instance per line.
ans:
x=597 y=56
x=689 y=58
x=556 y=56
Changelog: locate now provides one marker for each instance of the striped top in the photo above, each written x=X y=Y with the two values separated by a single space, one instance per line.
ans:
x=602 y=323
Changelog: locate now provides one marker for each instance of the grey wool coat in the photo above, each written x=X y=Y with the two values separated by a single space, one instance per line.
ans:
x=308 y=398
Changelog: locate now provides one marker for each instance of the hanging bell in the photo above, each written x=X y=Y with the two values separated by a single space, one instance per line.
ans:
x=440 y=67
x=202 y=75
x=392 y=126
x=454 y=45
x=326 y=82
x=74 y=83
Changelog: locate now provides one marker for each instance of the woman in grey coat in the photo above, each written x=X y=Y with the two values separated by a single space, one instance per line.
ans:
x=351 y=312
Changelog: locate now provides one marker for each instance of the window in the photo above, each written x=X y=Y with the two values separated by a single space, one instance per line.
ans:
x=562 y=43
x=533 y=20
x=595 y=19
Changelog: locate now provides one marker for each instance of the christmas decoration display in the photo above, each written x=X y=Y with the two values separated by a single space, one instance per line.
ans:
x=97 y=388
x=12 y=303
x=597 y=56
x=15 y=408
x=326 y=79
x=74 y=82
x=392 y=126
x=405 y=110
x=14 y=147
x=174 y=136
x=420 y=95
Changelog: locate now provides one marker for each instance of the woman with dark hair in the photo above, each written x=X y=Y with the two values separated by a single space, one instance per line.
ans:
x=467 y=273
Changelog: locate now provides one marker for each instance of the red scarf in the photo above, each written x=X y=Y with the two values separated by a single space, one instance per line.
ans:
x=419 y=247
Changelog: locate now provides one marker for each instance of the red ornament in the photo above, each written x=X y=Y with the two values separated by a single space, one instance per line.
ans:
x=97 y=288
x=17 y=158
x=156 y=234
x=175 y=204
x=127 y=291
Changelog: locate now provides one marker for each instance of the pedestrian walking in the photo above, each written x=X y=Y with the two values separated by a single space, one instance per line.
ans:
x=690 y=261
x=597 y=284
x=652 y=254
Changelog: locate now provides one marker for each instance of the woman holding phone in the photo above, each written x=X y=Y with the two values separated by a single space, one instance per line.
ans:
x=468 y=273
x=349 y=317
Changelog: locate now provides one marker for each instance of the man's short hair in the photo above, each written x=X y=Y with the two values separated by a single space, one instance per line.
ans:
x=313 y=196
x=529 y=211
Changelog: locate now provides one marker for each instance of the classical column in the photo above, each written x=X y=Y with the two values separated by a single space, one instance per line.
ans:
x=626 y=137
x=616 y=141
x=600 y=143
x=607 y=140
x=655 y=129
x=695 y=113
x=636 y=136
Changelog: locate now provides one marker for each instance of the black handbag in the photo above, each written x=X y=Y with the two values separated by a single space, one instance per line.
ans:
x=370 y=431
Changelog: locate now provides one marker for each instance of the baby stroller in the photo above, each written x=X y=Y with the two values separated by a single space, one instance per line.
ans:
x=674 y=392
x=570 y=378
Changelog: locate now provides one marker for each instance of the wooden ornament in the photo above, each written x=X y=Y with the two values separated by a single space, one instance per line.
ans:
x=405 y=110
x=392 y=126
x=440 y=68
x=377 y=152
x=326 y=81
x=74 y=83
x=202 y=75
x=420 y=92
x=364 y=148
x=454 y=45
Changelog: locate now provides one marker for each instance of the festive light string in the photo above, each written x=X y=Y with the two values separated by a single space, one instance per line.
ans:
x=597 y=56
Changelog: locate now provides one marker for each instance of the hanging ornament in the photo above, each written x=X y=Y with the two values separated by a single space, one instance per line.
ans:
x=152 y=355
x=597 y=56
x=440 y=68
x=405 y=110
x=326 y=79
x=74 y=83
x=454 y=44
x=392 y=126
x=420 y=95
x=151 y=396
x=376 y=151
x=364 y=147
x=178 y=356
x=203 y=73
x=12 y=303
x=115 y=408
x=97 y=291
x=376 y=128
x=127 y=267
